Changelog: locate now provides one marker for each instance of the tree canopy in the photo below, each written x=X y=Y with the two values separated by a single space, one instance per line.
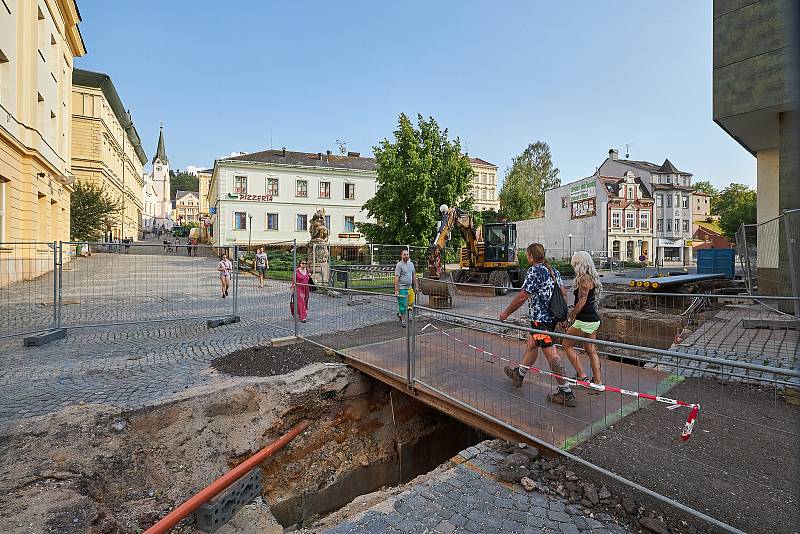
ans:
x=706 y=187
x=418 y=171
x=530 y=175
x=736 y=205
x=183 y=181
x=92 y=212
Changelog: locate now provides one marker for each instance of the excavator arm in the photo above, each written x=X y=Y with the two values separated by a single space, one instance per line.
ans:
x=452 y=218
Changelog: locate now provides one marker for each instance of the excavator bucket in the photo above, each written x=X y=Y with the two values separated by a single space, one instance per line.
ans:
x=440 y=292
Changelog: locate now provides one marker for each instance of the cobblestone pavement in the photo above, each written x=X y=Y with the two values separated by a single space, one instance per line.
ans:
x=131 y=365
x=468 y=498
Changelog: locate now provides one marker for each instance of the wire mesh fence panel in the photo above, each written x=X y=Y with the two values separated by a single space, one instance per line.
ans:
x=769 y=254
x=264 y=287
x=633 y=427
x=118 y=283
x=356 y=323
x=27 y=290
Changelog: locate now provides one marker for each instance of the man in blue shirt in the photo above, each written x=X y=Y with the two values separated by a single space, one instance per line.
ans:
x=540 y=282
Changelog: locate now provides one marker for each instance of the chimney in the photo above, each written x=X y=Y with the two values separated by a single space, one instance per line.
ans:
x=328 y=156
x=613 y=154
x=319 y=156
x=283 y=152
x=353 y=154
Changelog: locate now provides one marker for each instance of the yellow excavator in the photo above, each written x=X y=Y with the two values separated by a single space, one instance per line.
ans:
x=488 y=257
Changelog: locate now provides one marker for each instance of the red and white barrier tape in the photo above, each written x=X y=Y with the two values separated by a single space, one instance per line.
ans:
x=673 y=403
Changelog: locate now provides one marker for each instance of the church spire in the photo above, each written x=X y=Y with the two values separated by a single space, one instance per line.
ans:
x=161 y=152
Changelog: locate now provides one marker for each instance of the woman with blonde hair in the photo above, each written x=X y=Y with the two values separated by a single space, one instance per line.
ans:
x=584 y=320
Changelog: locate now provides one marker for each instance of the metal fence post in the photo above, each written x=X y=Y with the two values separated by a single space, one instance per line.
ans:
x=295 y=293
x=409 y=353
x=743 y=230
x=412 y=328
x=235 y=279
x=791 y=250
x=59 y=306
x=55 y=284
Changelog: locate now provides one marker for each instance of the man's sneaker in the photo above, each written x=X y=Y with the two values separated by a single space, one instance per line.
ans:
x=513 y=374
x=559 y=397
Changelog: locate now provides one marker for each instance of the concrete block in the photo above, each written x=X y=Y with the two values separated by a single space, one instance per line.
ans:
x=218 y=511
x=43 y=338
x=213 y=323
x=283 y=341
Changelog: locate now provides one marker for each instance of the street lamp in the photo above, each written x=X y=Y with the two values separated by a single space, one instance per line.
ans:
x=570 y=246
x=250 y=228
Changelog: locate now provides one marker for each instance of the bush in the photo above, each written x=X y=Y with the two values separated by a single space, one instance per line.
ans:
x=563 y=266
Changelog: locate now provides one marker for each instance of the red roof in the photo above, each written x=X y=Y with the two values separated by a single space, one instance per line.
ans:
x=479 y=161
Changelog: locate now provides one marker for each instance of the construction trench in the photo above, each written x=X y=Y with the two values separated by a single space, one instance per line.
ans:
x=97 y=469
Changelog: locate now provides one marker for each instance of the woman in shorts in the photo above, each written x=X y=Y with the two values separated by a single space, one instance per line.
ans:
x=584 y=319
x=225 y=267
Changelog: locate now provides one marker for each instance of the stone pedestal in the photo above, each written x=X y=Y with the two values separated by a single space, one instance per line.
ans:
x=318 y=260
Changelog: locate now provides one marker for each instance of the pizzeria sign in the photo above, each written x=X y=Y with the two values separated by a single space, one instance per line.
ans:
x=251 y=198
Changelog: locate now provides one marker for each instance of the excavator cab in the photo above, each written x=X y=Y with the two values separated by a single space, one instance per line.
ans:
x=500 y=242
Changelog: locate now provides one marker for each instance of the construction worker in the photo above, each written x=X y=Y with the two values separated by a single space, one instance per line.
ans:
x=405 y=285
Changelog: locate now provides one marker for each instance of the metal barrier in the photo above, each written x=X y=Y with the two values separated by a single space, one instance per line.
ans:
x=460 y=358
x=27 y=287
x=769 y=253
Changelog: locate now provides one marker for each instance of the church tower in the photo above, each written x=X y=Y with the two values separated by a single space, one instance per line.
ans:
x=161 y=182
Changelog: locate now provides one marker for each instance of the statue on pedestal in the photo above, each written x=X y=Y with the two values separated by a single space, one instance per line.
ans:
x=318 y=246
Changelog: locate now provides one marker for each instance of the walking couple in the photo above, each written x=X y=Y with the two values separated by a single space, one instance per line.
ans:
x=540 y=282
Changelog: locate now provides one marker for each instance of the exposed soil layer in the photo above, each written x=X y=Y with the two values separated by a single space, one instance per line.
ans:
x=740 y=465
x=270 y=361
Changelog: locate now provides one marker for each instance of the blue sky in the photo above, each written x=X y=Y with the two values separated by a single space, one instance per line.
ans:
x=582 y=76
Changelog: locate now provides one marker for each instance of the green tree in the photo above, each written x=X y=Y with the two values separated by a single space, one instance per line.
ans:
x=706 y=187
x=184 y=182
x=736 y=205
x=418 y=171
x=92 y=212
x=530 y=175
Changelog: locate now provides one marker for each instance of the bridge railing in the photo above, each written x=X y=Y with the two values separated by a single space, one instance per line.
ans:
x=631 y=431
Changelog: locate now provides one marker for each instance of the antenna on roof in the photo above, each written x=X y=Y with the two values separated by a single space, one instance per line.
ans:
x=342 y=146
x=270 y=138
x=628 y=150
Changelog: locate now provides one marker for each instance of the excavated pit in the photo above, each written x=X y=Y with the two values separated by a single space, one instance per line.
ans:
x=99 y=469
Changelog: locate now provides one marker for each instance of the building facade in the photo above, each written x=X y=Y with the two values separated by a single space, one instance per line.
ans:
x=106 y=150
x=38 y=41
x=575 y=218
x=671 y=190
x=149 y=205
x=187 y=207
x=607 y=216
x=272 y=195
x=484 y=185
x=204 y=183
x=701 y=208
x=161 y=183
x=755 y=100
x=629 y=218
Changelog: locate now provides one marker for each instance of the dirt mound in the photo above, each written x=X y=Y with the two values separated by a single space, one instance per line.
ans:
x=270 y=361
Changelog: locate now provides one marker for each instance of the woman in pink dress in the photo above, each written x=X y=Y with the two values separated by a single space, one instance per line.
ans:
x=302 y=278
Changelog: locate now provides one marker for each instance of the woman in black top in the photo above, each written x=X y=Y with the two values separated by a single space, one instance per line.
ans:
x=584 y=320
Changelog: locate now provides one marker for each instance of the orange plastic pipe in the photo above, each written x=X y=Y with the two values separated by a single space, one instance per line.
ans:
x=213 y=489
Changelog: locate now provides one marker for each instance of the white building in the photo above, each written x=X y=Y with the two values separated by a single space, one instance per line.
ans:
x=149 y=204
x=272 y=195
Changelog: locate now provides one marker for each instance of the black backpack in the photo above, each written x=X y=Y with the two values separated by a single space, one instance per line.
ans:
x=558 y=306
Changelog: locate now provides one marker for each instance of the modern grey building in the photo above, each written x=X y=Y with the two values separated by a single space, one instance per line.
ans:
x=755 y=90
x=672 y=191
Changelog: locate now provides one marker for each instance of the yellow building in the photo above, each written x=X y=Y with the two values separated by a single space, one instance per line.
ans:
x=484 y=185
x=187 y=207
x=106 y=149
x=204 y=184
x=38 y=41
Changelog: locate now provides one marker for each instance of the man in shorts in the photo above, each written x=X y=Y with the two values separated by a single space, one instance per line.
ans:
x=405 y=284
x=540 y=282
x=262 y=264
